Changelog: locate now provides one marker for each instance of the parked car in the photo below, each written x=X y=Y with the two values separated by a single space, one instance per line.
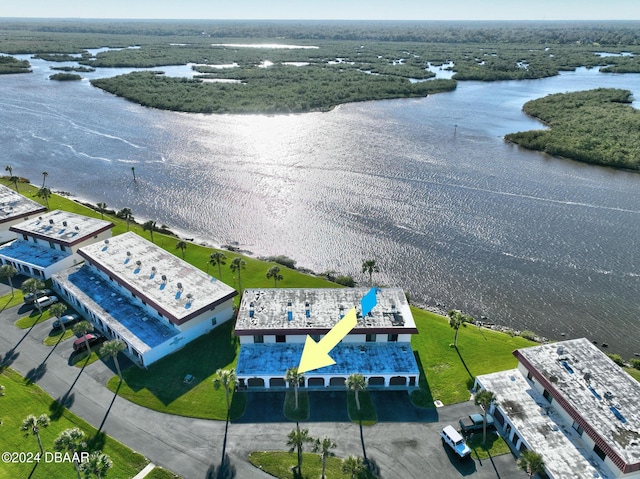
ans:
x=455 y=441
x=30 y=297
x=474 y=423
x=45 y=301
x=91 y=338
x=66 y=321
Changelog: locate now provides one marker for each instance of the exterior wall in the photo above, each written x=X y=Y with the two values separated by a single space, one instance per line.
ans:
x=5 y=234
x=100 y=237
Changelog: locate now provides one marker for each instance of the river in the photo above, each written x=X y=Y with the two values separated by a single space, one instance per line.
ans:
x=426 y=187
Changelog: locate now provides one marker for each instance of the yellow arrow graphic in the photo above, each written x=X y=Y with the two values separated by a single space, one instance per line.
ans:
x=316 y=355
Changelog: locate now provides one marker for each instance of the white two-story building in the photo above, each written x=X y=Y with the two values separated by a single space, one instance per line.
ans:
x=14 y=209
x=152 y=300
x=273 y=324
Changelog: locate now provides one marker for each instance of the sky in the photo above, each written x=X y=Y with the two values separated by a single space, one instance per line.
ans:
x=328 y=9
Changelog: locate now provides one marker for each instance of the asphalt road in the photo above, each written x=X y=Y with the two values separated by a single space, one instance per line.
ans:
x=190 y=447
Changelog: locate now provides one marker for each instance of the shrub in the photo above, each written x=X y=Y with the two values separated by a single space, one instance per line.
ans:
x=530 y=335
x=635 y=363
x=345 y=281
x=616 y=358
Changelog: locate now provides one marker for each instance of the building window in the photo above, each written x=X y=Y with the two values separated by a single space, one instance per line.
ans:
x=530 y=376
x=258 y=339
x=315 y=337
x=599 y=452
x=25 y=237
x=577 y=427
x=547 y=395
x=63 y=247
x=371 y=338
x=392 y=338
x=280 y=338
x=52 y=245
x=214 y=321
x=160 y=314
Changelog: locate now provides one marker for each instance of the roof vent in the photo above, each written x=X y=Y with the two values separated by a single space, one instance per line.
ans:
x=179 y=286
x=153 y=268
x=106 y=241
x=164 y=278
x=129 y=254
x=560 y=351
x=77 y=228
x=51 y=222
x=40 y=218
x=138 y=263
x=64 y=223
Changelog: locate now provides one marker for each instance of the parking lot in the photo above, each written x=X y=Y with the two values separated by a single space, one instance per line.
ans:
x=405 y=443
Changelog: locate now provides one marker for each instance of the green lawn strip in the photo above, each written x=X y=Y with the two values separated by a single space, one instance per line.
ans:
x=290 y=411
x=79 y=359
x=160 y=473
x=161 y=387
x=449 y=374
x=8 y=301
x=279 y=464
x=634 y=373
x=19 y=401
x=495 y=445
x=32 y=319
x=57 y=337
x=367 y=413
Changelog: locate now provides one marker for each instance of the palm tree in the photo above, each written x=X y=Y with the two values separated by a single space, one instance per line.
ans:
x=225 y=378
x=112 y=348
x=456 y=319
x=98 y=465
x=9 y=168
x=125 y=214
x=32 y=425
x=58 y=310
x=217 y=258
x=293 y=377
x=274 y=272
x=13 y=179
x=296 y=440
x=102 y=207
x=182 y=246
x=484 y=399
x=236 y=265
x=369 y=266
x=45 y=193
x=323 y=447
x=8 y=271
x=531 y=462
x=149 y=226
x=71 y=440
x=81 y=329
x=31 y=286
x=353 y=466
x=133 y=171
x=44 y=177
x=356 y=383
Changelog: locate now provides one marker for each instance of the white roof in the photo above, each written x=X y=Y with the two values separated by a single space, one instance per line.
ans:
x=167 y=283
x=62 y=227
x=15 y=206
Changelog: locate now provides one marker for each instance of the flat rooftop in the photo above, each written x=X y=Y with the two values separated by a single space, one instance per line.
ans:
x=139 y=328
x=365 y=358
x=597 y=388
x=544 y=430
x=33 y=254
x=62 y=227
x=15 y=206
x=316 y=310
x=172 y=286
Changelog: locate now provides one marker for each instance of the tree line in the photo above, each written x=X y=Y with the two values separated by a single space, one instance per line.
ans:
x=595 y=126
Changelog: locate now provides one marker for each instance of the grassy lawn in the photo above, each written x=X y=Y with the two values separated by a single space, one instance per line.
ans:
x=635 y=373
x=280 y=463
x=367 y=413
x=57 y=337
x=79 y=359
x=160 y=473
x=7 y=301
x=290 y=411
x=35 y=317
x=20 y=400
x=495 y=445
x=162 y=386
x=448 y=374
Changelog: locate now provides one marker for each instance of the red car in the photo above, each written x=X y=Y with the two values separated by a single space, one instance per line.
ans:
x=80 y=344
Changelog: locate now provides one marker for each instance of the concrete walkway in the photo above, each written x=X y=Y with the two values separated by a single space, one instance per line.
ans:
x=190 y=447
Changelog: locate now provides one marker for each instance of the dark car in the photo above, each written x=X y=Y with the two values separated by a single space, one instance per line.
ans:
x=31 y=298
x=91 y=338
x=474 y=423
x=66 y=321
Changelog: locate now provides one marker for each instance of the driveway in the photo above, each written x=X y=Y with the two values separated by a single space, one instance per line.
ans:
x=189 y=447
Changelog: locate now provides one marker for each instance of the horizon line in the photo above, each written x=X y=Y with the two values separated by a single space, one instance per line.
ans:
x=599 y=20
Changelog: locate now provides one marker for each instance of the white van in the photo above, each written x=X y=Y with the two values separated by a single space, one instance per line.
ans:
x=45 y=301
x=455 y=441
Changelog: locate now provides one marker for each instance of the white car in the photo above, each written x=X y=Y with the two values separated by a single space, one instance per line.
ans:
x=45 y=301
x=455 y=441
